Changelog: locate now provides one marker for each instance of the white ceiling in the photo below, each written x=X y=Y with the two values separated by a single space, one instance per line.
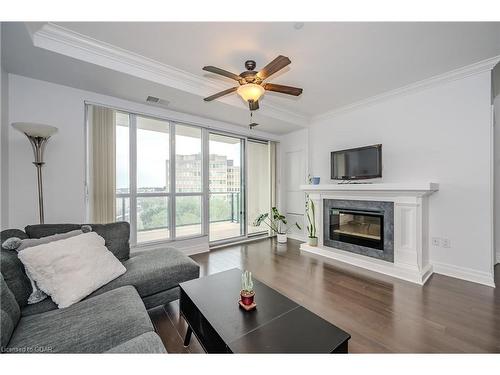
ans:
x=336 y=64
x=19 y=56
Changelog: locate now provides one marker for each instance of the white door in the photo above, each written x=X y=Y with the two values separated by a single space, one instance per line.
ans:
x=295 y=175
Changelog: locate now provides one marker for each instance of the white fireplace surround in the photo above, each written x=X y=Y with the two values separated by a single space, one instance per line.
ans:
x=411 y=245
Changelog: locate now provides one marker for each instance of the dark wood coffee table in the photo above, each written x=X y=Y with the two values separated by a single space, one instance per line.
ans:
x=278 y=325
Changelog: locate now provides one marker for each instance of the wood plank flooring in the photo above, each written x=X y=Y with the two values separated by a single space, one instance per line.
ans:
x=381 y=313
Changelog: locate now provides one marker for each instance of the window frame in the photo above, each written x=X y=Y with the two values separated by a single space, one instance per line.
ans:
x=206 y=130
x=243 y=177
x=176 y=194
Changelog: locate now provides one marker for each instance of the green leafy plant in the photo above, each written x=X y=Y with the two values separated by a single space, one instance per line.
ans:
x=246 y=282
x=311 y=218
x=276 y=222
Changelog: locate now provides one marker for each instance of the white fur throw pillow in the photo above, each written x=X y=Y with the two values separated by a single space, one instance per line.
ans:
x=17 y=244
x=69 y=270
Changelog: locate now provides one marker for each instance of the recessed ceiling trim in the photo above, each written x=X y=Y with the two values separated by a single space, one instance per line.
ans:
x=460 y=73
x=60 y=40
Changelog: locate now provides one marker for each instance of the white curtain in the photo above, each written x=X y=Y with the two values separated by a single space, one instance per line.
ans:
x=272 y=157
x=103 y=165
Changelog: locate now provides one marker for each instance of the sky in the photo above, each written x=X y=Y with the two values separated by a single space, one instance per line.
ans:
x=153 y=151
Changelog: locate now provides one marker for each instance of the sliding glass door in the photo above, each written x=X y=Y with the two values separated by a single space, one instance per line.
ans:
x=226 y=187
x=258 y=183
x=176 y=181
x=152 y=200
x=188 y=181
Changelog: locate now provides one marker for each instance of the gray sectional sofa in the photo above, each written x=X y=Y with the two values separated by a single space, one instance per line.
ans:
x=112 y=319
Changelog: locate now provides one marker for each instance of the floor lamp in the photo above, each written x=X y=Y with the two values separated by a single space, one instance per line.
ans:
x=38 y=135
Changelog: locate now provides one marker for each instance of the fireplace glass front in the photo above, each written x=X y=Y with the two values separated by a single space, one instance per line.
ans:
x=359 y=227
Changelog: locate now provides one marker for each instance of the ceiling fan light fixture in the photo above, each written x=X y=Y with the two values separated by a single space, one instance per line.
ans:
x=251 y=91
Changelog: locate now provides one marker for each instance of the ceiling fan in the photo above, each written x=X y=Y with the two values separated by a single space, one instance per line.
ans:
x=251 y=83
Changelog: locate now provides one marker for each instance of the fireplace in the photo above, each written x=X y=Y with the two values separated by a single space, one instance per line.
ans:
x=361 y=227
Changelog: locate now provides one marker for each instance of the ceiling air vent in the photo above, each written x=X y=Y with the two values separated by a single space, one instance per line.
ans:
x=152 y=99
x=157 y=101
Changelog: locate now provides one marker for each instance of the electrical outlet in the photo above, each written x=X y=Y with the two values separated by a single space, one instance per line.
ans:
x=436 y=241
x=446 y=243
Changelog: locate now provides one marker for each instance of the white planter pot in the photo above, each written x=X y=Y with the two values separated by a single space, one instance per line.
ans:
x=313 y=241
x=281 y=238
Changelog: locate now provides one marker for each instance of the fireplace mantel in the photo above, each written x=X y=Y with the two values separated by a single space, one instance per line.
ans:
x=411 y=239
x=414 y=189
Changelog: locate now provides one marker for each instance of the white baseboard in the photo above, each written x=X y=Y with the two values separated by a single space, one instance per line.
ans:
x=297 y=237
x=467 y=274
x=399 y=271
x=188 y=246
x=244 y=241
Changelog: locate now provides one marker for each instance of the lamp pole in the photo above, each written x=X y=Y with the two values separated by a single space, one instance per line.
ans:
x=38 y=145
x=38 y=135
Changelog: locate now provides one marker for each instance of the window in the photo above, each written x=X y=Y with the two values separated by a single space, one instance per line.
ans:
x=148 y=205
x=153 y=179
x=176 y=181
x=122 y=157
x=188 y=181
x=259 y=183
x=225 y=189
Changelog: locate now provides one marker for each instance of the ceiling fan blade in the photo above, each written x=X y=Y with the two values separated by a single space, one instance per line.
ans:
x=283 y=89
x=277 y=64
x=222 y=72
x=219 y=94
x=253 y=104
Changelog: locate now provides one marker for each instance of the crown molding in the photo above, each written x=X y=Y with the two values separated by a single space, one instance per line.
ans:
x=66 y=42
x=456 y=74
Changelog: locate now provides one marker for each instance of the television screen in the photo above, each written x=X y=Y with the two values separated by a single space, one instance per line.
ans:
x=357 y=163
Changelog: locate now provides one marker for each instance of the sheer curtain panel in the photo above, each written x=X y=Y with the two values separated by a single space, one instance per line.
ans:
x=103 y=165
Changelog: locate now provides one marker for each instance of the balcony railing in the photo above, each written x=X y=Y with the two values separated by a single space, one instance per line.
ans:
x=222 y=209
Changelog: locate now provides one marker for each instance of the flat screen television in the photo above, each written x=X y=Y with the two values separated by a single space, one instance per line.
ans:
x=357 y=163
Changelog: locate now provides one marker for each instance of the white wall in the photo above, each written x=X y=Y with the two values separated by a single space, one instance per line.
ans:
x=293 y=171
x=4 y=155
x=64 y=172
x=437 y=134
x=496 y=104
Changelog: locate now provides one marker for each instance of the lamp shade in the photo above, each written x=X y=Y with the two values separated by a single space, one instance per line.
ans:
x=33 y=129
x=250 y=91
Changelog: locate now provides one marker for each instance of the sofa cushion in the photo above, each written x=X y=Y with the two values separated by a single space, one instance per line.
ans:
x=30 y=242
x=13 y=272
x=69 y=270
x=153 y=271
x=148 y=342
x=9 y=233
x=161 y=298
x=44 y=230
x=9 y=313
x=91 y=326
x=37 y=308
x=37 y=294
x=116 y=235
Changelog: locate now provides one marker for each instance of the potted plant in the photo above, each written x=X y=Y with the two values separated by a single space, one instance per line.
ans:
x=313 y=180
x=277 y=223
x=247 y=293
x=311 y=219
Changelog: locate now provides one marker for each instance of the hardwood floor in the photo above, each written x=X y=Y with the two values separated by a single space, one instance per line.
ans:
x=381 y=313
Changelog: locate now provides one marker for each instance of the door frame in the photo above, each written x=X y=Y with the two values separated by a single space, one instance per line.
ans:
x=243 y=178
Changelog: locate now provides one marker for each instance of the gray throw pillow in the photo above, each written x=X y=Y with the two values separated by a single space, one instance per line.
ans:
x=30 y=242
x=17 y=244
x=12 y=243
